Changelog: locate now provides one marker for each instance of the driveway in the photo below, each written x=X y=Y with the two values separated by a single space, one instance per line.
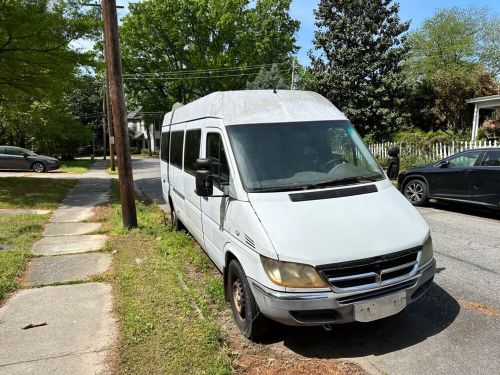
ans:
x=454 y=328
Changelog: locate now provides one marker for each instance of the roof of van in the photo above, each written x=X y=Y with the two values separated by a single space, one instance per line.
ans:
x=258 y=106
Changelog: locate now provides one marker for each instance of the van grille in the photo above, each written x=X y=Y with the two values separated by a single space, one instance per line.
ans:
x=372 y=272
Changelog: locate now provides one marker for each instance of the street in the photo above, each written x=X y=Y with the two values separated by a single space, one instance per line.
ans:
x=454 y=328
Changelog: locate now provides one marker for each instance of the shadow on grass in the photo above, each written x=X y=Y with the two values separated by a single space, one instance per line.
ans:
x=25 y=192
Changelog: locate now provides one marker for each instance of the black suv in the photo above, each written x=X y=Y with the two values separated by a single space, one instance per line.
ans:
x=17 y=158
x=471 y=176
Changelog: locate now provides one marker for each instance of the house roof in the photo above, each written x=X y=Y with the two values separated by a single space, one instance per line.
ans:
x=490 y=99
x=258 y=106
x=135 y=114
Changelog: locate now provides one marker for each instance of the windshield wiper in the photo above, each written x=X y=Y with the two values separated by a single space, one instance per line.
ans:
x=343 y=181
x=280 y=188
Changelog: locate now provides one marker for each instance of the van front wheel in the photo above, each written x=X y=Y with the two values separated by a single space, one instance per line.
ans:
x=246 y=313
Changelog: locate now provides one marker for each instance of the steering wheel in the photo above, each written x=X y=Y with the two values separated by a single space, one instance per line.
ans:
x=342 y=160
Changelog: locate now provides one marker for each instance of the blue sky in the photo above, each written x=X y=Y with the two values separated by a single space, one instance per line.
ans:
x=415 y=10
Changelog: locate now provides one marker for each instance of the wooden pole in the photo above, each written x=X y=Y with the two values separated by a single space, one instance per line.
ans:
x=110 y=127
x=114 y=67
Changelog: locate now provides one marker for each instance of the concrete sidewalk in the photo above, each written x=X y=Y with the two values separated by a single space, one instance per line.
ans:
x=65 y=329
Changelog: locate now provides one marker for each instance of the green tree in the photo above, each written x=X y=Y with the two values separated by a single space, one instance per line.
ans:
x=445 y=68
x=179 y=50
x=269 y=78
x=357 y=63
x=38 y=69
x=35 y=56
x=490 y=42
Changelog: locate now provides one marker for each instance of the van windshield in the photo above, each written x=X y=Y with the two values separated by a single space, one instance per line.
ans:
x=295 y=156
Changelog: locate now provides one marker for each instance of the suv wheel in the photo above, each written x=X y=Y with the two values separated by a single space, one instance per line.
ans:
x=416 y=192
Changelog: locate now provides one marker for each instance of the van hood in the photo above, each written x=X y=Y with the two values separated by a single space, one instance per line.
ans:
x=334 y=230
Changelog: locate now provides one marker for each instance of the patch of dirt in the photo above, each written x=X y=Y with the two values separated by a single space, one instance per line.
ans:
x=272 y=365
x=477 y=307
x=250 y=358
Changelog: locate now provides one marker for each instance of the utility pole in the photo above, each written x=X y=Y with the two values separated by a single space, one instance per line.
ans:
x=107 y=109
x=114 y=68
x=292 y=86
x=104 y=123
x=110 y=127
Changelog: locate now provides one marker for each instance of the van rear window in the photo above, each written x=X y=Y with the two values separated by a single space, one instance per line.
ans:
x=192 y=150
x=176 y=146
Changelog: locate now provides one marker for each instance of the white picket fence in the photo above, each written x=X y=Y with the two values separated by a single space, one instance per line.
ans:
x=435 y=151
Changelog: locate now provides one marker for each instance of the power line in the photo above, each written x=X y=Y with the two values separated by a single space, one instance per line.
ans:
x=196 y=77
x=199 y=71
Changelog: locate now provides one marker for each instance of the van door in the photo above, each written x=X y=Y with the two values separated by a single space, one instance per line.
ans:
x=214 y=208
x=192 y=204
x=175 y=169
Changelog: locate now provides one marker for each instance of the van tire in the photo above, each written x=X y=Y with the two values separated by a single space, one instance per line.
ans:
x=176 y=223
x=417 y=192
x=247 y=316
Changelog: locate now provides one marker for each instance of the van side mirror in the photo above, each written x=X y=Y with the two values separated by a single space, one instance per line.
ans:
x=444 y=164
x=204 y=180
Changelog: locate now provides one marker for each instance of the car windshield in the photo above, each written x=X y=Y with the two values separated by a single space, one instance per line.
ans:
x=293 y=156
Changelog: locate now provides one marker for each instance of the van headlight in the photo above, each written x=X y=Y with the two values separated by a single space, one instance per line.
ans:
x=292 y=275
x=427 y=252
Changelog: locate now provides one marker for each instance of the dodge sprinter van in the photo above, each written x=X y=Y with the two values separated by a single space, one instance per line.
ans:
x=289 y=204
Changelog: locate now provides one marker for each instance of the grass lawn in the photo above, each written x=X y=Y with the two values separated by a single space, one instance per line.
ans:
x=39 y=193
x=19 y=232
x=78 y=166
x=159 y=276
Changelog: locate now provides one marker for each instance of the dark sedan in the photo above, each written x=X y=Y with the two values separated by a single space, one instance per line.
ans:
x=471 y=176
x=17 y=158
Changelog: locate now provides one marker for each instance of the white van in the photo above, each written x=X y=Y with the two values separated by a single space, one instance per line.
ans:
x=287 y=201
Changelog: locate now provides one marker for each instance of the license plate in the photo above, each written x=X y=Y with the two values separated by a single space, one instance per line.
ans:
x=379 y=308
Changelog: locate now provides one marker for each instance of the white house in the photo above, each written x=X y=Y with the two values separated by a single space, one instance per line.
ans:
x=138 y=133
x=491 y=102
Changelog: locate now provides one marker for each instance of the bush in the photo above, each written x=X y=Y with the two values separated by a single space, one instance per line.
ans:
x=430 y=138
x=411 y=161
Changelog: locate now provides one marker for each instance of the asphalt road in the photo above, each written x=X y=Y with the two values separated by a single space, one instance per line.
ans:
x=453 y=329
x=147 y=179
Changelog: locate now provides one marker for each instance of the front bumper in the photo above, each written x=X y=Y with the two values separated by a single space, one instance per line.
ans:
x=52 y=166
x=318 y=308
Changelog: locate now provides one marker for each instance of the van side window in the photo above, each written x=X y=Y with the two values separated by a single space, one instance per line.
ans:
x=192 y=150
x=216 y=152
x=176 y=145
x=165 y=145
